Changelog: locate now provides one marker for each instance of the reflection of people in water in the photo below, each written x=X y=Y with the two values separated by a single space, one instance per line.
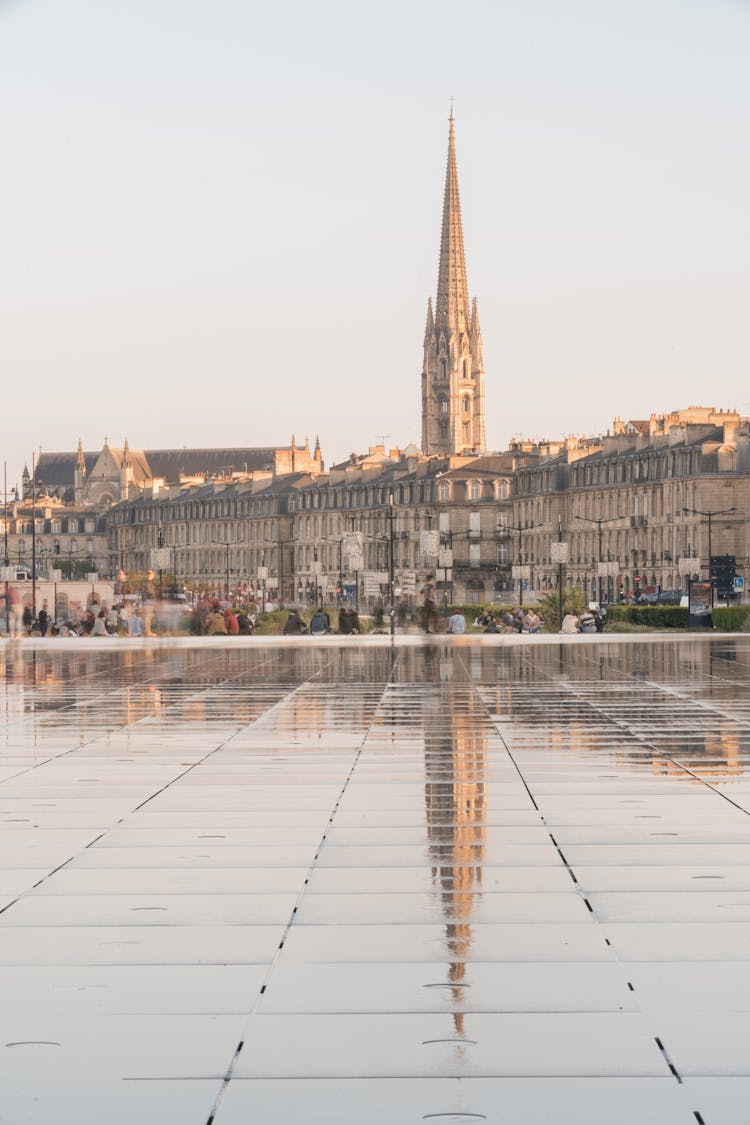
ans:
x=456 y=805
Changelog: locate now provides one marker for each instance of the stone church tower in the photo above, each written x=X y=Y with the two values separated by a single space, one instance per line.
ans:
x=452 y=373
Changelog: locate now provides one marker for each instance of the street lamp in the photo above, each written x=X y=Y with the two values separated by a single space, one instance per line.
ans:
x=520 y=529
x=599 y=523
x=709 y=516
x=227 y=545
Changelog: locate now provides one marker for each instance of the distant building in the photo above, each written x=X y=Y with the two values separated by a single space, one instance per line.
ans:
x=101 y=479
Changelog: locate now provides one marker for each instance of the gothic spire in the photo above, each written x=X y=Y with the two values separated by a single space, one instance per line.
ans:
x=452 y=306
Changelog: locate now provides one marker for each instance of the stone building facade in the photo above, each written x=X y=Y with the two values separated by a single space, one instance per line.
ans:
x=67 y=537
x=639 y=499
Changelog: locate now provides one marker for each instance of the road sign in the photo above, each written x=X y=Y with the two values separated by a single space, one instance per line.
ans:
x=738 y=583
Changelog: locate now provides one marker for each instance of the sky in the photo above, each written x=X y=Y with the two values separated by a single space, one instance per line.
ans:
x=221 y=222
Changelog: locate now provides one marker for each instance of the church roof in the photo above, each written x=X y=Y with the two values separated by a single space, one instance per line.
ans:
x=56 y=470
x=169 y=464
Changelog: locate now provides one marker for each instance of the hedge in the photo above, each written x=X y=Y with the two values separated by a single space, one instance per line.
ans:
x=655 y=616
x=731 y=618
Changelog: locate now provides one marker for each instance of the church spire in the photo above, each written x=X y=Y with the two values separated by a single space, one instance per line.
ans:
x=452 y=307
x=452 y=371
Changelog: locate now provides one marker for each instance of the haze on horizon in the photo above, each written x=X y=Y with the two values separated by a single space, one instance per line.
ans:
x=222 y=222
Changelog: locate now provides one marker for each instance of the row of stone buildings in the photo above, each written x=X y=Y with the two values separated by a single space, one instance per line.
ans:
x=637 y=499
x=635 y=507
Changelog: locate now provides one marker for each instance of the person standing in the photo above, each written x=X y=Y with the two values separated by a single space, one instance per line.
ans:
x=428 y=604
x=43 y=619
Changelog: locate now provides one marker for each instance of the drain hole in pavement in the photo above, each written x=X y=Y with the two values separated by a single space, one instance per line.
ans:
x=428 y=1042
x=447 y=984
x=457 y=1117
x=630 y=987
x=589 y=906
x=148 y=908
x=34 y=1043
x=212 y=837
x=706 y=876
x=698 y=1117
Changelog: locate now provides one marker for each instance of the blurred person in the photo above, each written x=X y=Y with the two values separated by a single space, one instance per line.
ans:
x=456 y=621
x=43 y=619
x=294 y=625
x=320 y=623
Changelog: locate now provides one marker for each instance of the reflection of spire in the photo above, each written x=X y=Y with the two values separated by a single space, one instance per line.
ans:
x=455 y=797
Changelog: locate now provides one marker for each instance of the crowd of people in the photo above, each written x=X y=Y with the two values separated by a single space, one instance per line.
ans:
x=207 y=617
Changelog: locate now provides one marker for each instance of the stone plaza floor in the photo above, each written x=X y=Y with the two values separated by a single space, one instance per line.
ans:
x=355 y=882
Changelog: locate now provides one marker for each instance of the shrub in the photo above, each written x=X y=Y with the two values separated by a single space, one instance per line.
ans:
x=653 y=616
x=731 y=618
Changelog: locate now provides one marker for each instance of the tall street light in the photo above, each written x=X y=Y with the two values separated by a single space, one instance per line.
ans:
x=599 y=523
x=520 y=529
x=709 y=516
x=227 y=545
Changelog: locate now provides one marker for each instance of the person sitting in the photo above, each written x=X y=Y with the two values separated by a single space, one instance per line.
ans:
x=507 y=622
x=294 y=625
x=570 y=624
x=491 y=625
x=320 y=623
x=99 y=628
x=345 y=622
x=456 y=622
x=233 y=626
x=587 y=622
x=354 y=619
x=217 y=624
x=244 y=626
x=531 y=622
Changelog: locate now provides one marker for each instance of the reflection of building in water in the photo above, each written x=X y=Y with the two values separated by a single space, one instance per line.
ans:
x=455 y=748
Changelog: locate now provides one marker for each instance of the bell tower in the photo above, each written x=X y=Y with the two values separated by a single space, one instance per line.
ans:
x=452 y=371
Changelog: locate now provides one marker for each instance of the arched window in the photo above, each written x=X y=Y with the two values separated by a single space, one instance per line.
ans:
x=442 y=369
x=465 y=405
x=444 y=491
x=475 y=490
x=443 y=429
x=442 y=404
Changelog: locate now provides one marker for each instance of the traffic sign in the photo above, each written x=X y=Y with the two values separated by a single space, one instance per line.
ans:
x=738 y=583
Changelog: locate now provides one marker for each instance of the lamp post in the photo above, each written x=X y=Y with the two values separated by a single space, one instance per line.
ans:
x=709 y=516
x=6 y=561
x=599 y=524
x=33 y=535
x=227 y=545
x=391 y=582
x=520 y=529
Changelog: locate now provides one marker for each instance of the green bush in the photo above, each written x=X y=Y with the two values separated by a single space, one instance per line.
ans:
x=653 y=616
x=731 y=618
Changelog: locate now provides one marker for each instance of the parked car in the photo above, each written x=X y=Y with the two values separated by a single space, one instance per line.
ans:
x=670 y=597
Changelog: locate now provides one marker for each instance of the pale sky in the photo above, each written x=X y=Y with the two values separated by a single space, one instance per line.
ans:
x=221 y=221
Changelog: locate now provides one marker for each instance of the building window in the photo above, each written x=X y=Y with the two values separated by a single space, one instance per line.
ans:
x=475 y=490
x=502 y=554
x=475 y=526
x=444 y=522
x=444 y=491
x=474 y=551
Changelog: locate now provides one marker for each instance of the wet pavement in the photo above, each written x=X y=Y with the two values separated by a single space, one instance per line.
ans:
x=293 y=883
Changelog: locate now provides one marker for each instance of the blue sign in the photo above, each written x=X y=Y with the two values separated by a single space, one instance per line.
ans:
x=738 y=583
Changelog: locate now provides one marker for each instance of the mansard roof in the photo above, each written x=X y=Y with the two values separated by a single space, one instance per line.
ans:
x=170 y=464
